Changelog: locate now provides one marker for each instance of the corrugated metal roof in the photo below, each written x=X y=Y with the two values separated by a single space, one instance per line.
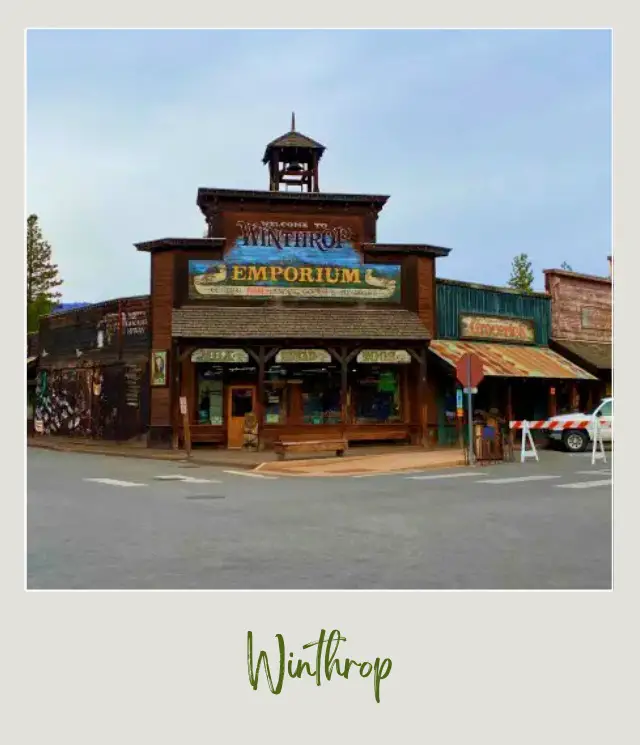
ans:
x=511 y=360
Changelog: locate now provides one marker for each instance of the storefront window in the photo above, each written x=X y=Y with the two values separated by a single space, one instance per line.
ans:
x=210 y=394
x=376 y=394
x=321 y=397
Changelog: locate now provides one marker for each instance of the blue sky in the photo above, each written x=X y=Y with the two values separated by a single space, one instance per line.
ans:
x=491 y=143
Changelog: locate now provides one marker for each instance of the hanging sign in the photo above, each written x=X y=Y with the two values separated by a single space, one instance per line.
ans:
x=220 y=355
x=459 y=404
x=384 y=357
x=300 y=356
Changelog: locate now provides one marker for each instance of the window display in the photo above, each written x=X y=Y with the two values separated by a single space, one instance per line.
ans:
x=376 y=394
x=210 y=395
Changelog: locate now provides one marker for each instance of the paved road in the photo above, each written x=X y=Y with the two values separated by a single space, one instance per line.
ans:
x=104 y=522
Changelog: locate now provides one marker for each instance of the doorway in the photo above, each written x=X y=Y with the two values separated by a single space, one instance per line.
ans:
x=240 y=401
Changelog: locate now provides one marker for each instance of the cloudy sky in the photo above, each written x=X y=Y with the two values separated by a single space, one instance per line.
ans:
x=489 y=143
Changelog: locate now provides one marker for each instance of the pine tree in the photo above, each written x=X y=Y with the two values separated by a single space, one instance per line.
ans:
x=564 y=266
x=521 y=274
x=42 y=275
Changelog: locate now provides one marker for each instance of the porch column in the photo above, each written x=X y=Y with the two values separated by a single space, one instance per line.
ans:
x=175 y=368
x=510 y=411
x=260 y=395
x=422 y=387
x=344 y=388
x=552 y=407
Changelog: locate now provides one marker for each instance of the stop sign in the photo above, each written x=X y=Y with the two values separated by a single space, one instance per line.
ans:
x=469 y=370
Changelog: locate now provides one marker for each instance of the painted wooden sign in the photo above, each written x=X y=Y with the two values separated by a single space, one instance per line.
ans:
x=295 y=356
x=384 y=357
x=497 y=328
x=220 y=355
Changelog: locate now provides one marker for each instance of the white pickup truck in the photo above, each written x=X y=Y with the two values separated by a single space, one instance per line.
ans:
x=577 y=440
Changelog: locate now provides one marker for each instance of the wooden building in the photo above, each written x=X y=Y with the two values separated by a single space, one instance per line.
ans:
x=291 y=310
x=92 y=371
x=581 y=323
x=509 y=331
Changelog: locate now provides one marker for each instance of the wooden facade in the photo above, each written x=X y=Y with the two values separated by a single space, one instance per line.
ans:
x=92 y=371
x=582 y=321
x=281 y=270
x=510 y=332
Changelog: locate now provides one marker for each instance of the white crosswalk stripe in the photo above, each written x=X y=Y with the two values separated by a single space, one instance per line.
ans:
x=115 y=482
x=186 y=479
x=251 y=475
x=584 y=484
x=516 y=479
x=595 y=470
x=433 y=477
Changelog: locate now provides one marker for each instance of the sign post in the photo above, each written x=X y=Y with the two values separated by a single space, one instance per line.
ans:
x=184 y=410
x=470 y=373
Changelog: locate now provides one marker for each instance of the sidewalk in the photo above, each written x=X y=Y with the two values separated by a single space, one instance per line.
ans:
x=367 y=465
x=361 y=460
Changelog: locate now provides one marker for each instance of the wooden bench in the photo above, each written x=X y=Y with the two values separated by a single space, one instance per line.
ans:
x=282 y=447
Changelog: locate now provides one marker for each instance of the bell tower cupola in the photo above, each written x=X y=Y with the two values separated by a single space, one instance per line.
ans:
x=293 y=160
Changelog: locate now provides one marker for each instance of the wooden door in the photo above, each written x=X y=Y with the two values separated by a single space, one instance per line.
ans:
x=241 y=400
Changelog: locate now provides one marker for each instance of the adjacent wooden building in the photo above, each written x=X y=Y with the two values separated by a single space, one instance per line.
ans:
x=93 y=371
x=290 y=309
x=509 y=331
x=581 y=321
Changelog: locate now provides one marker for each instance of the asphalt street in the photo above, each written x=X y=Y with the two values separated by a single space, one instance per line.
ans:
x=96 y=522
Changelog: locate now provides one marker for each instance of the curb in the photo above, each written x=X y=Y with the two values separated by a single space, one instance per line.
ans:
x=144 y=455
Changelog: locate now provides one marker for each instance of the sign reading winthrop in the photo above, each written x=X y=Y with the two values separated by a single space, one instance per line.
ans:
x=299 y=259
x=497 y=328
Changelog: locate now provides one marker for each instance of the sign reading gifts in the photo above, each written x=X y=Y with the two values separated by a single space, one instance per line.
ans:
x=299 y=259
x=497 y=328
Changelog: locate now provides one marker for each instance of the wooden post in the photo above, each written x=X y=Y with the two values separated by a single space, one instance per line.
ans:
x=175 y=369
x=552 y=408
x=344 y=389
x=422 y=387
x=575 y=399
x=184 y=410
x=260 y=395
x=510 y=412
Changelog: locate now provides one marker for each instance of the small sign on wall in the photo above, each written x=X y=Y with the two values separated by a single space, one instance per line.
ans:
x=293 y=356
x=159 y=368
x=384 y=356
x=183 y=404
x=238 y=356
x=497 y=328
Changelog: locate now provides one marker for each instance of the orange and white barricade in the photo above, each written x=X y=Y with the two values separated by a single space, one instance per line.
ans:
x=551 y=424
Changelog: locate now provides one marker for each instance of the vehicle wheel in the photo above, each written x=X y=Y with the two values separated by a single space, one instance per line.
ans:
x=575 y=440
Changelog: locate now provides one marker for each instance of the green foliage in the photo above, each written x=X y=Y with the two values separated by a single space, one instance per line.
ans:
x=42 y=275
x=521 y=274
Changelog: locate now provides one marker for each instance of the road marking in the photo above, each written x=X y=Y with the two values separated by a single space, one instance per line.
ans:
x=251 y=475
x=595 y=470
x=384 y=473
x=186 y=479
x=584 y=484
x=517 y=479
x=448 y=476
x=114 y=482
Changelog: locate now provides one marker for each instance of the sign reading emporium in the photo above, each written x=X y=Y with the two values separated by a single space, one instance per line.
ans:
x=299 y=259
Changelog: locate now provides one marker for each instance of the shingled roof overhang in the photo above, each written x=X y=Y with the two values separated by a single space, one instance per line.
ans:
x=165 y=244
x=206 y=196
x=422 y=249
x=227 y=322
x=292 y=141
